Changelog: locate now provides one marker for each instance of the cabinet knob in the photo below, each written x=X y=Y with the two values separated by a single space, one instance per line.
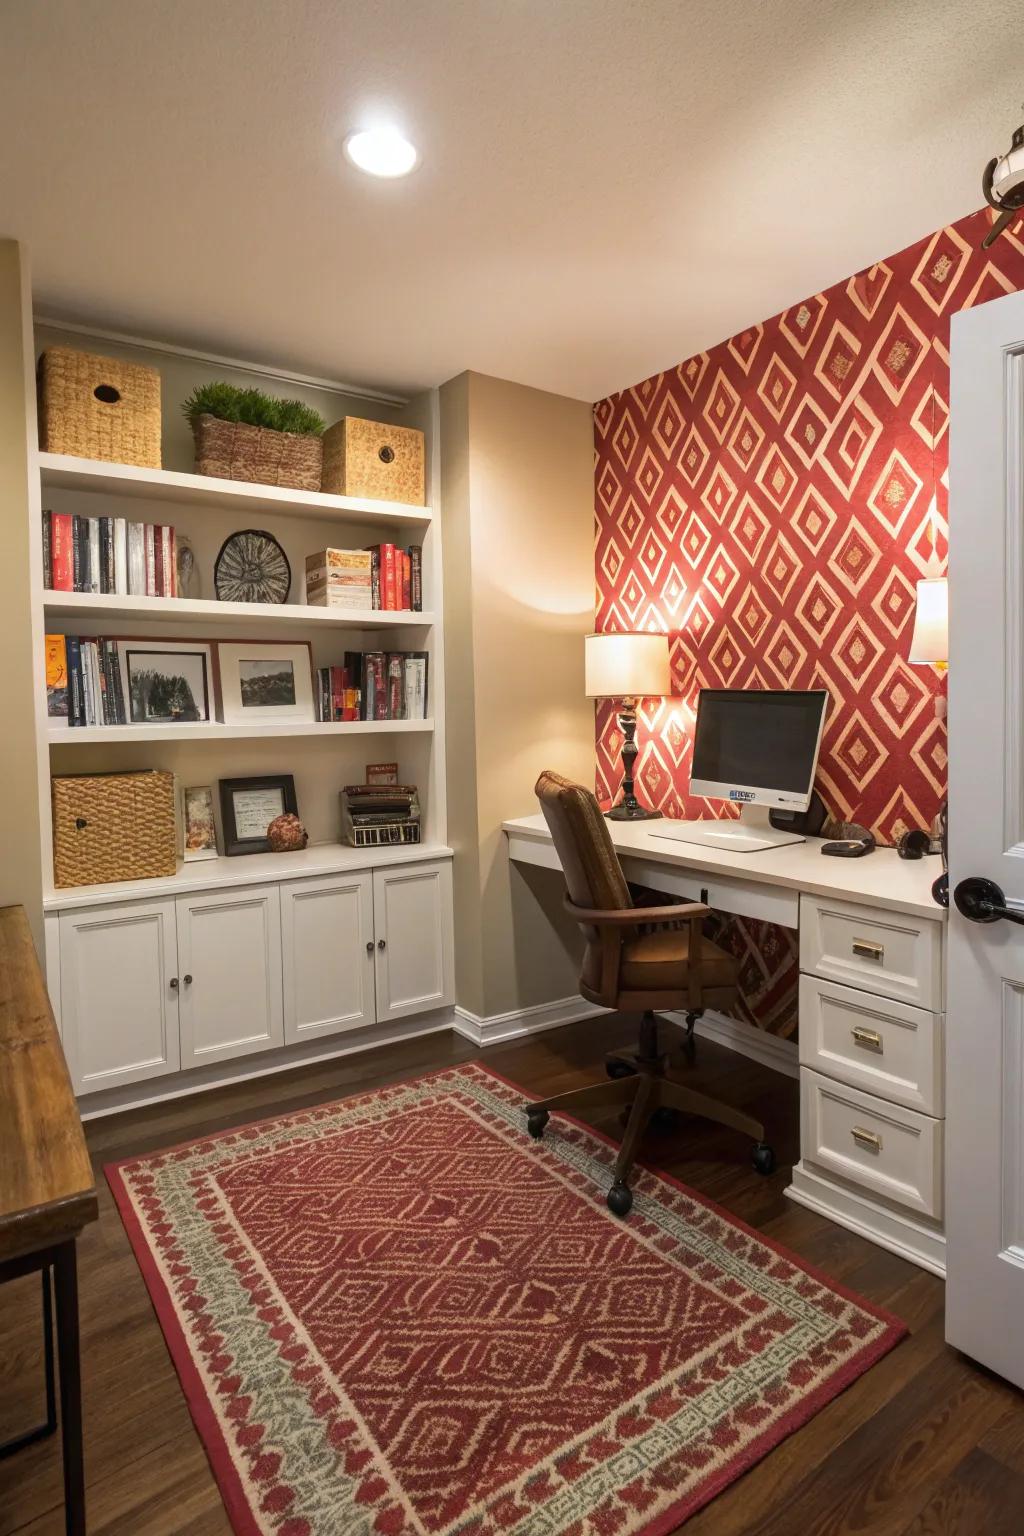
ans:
x=382 y=943
x=369 y=946
x=173 y=983
x=188 y=981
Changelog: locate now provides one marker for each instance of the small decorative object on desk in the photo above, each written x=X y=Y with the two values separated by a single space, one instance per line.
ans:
x=375 y=460
x=339 y=578
x=248 y=806
x=99 y=408
x=263 y=682
x=286 y=834
x=244 y=434
x=377 y=815
x=252 y=568
x=382 y=773
x=200 y=829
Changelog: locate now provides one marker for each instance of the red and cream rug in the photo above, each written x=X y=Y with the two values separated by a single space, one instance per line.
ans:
x=398 y=1316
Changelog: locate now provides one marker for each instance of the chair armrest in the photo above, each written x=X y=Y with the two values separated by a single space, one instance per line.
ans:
x=635 y=917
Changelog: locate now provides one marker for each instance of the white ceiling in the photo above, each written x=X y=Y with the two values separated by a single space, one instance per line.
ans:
x=606 y=185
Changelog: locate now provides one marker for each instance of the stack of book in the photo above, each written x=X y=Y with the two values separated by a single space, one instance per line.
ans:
x=377 y=815
x=336 y=696
x=383 y=577
x=375 y=685
x=108 y=554
x=84 y=684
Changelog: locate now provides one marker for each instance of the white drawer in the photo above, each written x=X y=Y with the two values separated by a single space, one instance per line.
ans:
x=884 y=1047
x=884 y=952
x=881 y=1147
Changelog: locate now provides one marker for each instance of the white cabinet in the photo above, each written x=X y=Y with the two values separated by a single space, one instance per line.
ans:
x=229 y=963
x=412 y=916
x=327 y=953
x=119 y=993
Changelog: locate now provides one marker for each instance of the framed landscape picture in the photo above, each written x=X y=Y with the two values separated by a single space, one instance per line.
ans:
x=167 y=682
x=263 y=682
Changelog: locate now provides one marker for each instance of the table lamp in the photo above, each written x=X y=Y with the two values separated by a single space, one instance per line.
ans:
x=629 y=668
x=930 y=642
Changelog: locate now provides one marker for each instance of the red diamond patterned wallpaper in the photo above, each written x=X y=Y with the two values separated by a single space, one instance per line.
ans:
x=767 y=503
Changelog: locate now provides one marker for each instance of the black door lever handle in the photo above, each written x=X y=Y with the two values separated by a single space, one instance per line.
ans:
x=981 y=901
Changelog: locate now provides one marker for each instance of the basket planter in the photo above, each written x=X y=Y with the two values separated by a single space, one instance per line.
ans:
x=113 y=826
x=233 y=450
x=99 y=408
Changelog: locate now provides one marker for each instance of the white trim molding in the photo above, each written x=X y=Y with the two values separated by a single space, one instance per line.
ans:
x=523 y=1021
x=909 y=1236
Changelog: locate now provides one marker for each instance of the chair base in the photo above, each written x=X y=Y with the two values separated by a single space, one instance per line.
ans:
x=641 y=1083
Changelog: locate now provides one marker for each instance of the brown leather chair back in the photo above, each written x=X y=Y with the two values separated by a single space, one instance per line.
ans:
x=593 y=874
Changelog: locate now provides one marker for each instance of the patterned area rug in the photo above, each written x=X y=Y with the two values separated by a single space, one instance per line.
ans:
x=398 y=1316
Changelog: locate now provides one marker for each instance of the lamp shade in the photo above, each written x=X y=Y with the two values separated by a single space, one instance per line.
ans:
x=930 y=642
x=627 y=666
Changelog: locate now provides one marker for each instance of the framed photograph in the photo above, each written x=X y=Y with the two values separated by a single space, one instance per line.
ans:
x=382 y=773
x=248 y=806
x=167 y=682
x=200 y=829
x=261 y=682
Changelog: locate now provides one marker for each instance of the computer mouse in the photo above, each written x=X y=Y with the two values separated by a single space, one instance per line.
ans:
x=854 y=846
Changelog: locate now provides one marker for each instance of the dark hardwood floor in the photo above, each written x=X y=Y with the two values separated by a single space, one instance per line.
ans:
x=925 y=1444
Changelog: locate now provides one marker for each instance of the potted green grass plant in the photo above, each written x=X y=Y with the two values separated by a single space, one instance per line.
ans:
x=245 y=434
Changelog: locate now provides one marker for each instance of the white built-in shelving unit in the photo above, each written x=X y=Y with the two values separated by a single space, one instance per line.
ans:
x=348 y=900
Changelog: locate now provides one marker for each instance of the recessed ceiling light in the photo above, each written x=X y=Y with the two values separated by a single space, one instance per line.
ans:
x=381 y=152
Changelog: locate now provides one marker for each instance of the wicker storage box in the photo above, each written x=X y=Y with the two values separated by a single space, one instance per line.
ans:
x=113 y=826
x=233 y=450
x=99 y=408
x=369 y=458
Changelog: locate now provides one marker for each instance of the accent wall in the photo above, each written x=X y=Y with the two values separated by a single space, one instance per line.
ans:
x=767 y=503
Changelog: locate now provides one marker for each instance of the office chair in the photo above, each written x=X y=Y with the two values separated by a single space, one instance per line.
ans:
x=632 y=970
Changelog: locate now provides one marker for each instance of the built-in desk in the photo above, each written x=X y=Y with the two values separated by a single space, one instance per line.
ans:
x=872 y=990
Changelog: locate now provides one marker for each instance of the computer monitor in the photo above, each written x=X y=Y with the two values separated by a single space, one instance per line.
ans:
x=757 y=748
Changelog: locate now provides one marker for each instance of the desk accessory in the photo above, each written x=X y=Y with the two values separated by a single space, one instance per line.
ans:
x=853 y=842
x=914 y=844
x=628 y=667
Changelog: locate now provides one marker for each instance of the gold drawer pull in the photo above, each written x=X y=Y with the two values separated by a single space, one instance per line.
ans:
x=870 y=1038
x=866 y=1138
x=868 y=949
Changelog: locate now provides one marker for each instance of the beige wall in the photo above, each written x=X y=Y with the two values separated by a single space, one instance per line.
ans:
x=20 y=626
x=517 y=501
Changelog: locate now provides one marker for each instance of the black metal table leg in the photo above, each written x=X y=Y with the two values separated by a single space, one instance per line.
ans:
x=66 y=1285
x=40 y=1432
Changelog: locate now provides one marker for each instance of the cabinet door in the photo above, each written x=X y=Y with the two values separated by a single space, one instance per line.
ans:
x=229 y=959
x=119 y=1007
x=412 y=919
x=327 y=949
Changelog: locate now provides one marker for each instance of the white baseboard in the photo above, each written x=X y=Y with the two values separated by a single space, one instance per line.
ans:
x=179 y=1085
x=905 y=1235
x=523 y=1021
x=745 y=1040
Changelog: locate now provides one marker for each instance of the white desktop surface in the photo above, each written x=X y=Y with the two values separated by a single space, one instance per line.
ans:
x=881 y=878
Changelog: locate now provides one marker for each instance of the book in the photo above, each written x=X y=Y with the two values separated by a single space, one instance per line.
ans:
x=165 y=587
x=106 y=553
x=158 y=560
x=76 y=685
x=57 y=691
x=120 y=556
x=150 y=560
x=415 y=685
x=47 y=554
x=416 y=578
x=137 y=559
x=340 y=578
x=78 y=558
x=93 y=581
x=373 y=550
x=62 y=578
x=406 y=602
x=375 y=696
x=172 y=566
x=395 y=704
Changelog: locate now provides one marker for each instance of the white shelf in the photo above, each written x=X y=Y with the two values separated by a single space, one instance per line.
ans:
x=61 y=470
x=254 y=616
x=247 y=869
x=77 y=736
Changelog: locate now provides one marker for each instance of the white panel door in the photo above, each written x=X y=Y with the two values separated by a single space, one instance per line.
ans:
x=327 y=954
x=119 y=994
x=985 y=1015
x=229 y=958
x=412 y=918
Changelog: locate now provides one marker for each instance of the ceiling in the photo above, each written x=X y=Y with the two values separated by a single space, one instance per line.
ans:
x=606 y=186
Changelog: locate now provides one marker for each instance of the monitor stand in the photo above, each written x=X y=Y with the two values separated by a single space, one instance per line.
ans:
x=753 y=833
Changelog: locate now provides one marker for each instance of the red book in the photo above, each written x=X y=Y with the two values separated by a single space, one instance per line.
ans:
x=406 y=581
x=172 y=569
x=337 y=693
x=151 y=586
x=62 y=552
x=389 y=582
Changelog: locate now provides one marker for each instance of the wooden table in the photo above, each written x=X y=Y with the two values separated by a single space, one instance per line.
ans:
x=47 y=1193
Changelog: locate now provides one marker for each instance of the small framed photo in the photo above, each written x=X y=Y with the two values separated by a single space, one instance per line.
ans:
x=167 y=682
x=200 y=828
x=263 y=682
x=382 y=773
x=248 y=806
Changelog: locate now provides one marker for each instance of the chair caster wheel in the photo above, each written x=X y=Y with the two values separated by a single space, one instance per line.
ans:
x=763 y=1158
x=617 y=1066
x=620 y=1199
x=536 y=1120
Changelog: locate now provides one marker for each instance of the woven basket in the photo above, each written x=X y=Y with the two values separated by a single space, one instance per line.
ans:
x=113 y=826
x=373 y=459
x=232 y=450
x=99 y=408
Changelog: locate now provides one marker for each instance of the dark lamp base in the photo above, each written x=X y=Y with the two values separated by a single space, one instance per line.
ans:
x=632 y=813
